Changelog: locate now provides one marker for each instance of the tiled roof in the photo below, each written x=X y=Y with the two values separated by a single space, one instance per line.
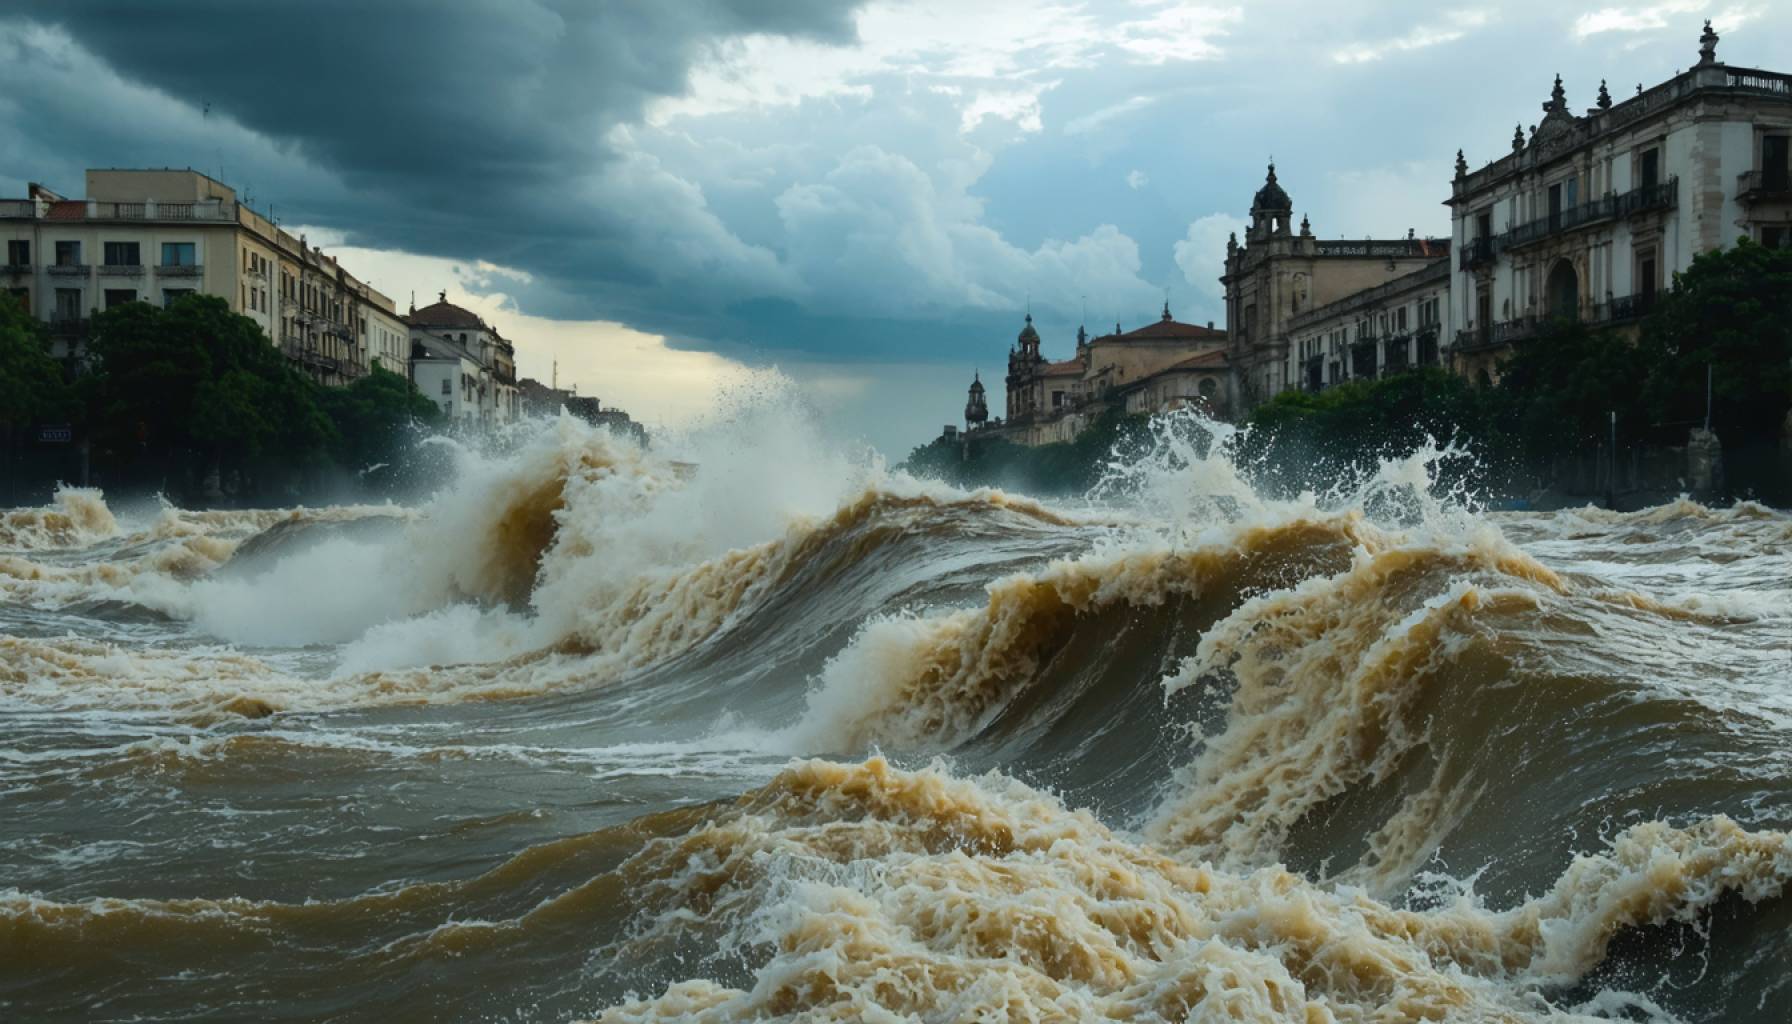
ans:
x=445 y=314
x=1067 y=368
x=1169 y=330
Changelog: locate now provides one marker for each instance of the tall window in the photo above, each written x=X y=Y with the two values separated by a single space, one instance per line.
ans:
x=68 y=304
x=447 y=387
x=18 y=252
x=1648 y=168
x=122 y=254
x=68 y=254
x=172 y=295
x=179 y=254
x=120 y=296
x=1776 y=162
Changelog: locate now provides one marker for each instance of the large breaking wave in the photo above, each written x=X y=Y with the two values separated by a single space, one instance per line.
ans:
x=1180 y=751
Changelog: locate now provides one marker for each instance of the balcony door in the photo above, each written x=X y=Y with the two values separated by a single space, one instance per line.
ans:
x=1774 y=162
x=1555 y=207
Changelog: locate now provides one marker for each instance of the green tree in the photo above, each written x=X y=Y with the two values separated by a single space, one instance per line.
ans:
x=196 y=381
x=1732 y=311
x=1562 y=387
x=31 y=385
x=377 y=419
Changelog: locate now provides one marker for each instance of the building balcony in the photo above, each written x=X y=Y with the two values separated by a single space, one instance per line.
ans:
x=121 y=270
x=1393 y=353
x=179 y=270
x=69 y=326
x=15 y=269
x=23 y=209
x=1648 y=198
x=1644 y=199
x=1764 y=186
x=1630 y=307
x=1478 y=253
x=69 y=269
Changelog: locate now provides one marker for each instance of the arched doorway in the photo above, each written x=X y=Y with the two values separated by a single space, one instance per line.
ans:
x=1563 y=291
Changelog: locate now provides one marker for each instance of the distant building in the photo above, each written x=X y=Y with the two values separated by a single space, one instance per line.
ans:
x=1400 y=325
x=1163 y=365
x=1279 y=274
x=155 y=235
x=542 y=400
x=464 y=364
x=1591 y=215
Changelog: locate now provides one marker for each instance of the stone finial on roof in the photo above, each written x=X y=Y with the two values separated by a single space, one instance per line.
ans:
x=1605 y=96
x=1708 y=45
x=1558 y=98
x=1461 y=165
x=1517 y=138
x=1306 y=227
x=442 y=295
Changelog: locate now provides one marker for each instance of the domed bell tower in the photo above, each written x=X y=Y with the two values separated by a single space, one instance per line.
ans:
x=976 y=408
x=1271 y=209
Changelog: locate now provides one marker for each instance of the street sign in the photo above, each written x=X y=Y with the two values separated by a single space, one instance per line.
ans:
x=58 y=434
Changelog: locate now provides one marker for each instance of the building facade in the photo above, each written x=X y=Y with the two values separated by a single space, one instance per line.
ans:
x=156 y=235
x=1590 y=216
x=464 y=364
x=1402 y=324
x=1279 y=274
x=1163 y=365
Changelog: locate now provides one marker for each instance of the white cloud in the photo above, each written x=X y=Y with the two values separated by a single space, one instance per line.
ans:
x=1178 y=31
x=1454 y=26
x=1137 y=179
x=1021 y=106
x=878 y=235
x=1634 y=19
x=1202 y=252
x=1095 y=119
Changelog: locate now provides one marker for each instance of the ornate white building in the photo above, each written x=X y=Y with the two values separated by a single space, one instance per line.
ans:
x=1590 y=215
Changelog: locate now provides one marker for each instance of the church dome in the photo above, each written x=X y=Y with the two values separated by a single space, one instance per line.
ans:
x=1027 y=333
x=1271 y=196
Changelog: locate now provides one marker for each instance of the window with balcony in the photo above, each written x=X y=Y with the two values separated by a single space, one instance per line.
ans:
x=120 y=296
x=1776 y=162
x=1775 y=236
x=179 y=254
x=123 y=254
x=68 y=254
x=68 y=304
x=1648 y=168
x=18 y=252
x=22 y=296
x=172 y=295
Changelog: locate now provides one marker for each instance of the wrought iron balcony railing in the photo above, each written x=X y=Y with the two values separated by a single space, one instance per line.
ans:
x=69 y=269
x=179 y=270
x=1769 y=184
x=121 y=270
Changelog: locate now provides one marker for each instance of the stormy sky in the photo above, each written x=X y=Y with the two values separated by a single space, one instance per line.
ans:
x=865 y=196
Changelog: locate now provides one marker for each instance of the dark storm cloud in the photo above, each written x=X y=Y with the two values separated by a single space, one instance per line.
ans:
x=477 y=129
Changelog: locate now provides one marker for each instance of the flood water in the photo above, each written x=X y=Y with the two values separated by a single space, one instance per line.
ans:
x=594 y=734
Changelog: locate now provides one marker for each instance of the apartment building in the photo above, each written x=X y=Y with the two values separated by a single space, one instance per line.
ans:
x=155 y=235
x=1402 y=324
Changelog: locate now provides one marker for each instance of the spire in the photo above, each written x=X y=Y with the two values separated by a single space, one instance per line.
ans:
x=1166 y=308
x=1558 y=98
x=1306 y=228
x=1605 y=96
x=1708 y=45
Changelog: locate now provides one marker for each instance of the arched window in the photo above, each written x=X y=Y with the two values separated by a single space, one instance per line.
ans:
x=1563 y=290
